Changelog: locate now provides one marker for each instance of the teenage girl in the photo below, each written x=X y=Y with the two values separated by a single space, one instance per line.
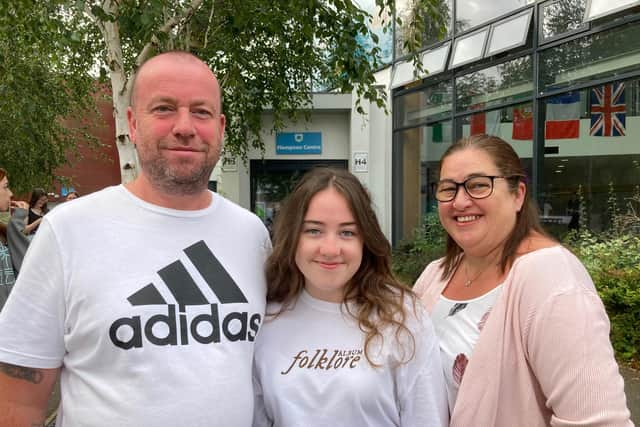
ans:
x=343 y=342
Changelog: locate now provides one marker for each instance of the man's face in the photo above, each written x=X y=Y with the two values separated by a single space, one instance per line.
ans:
x=176 y=124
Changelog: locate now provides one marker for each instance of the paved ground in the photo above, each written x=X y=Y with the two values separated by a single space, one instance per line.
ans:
x=632 y=388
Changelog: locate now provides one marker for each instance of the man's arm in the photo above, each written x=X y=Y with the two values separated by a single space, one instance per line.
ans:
x=24 y=394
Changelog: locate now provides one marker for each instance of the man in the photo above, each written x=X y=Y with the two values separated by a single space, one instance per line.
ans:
x=147 y=297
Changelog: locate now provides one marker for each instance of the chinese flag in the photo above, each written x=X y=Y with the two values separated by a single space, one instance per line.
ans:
x=522 y=123
x=478 y=124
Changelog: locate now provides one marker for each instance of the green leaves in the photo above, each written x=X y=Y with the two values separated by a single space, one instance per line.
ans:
x=39 y=88
x=269 y=56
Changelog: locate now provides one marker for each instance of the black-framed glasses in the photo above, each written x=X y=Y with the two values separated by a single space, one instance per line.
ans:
x=477 y=187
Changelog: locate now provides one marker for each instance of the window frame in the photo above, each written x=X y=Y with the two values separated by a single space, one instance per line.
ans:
x=585 y=26
x=587 y=18
x=457 y=40
x=518 y=44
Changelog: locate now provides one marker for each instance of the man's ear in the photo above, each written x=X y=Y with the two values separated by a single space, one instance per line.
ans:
x=133 y=124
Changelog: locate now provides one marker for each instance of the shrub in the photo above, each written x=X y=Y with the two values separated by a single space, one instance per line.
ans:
x=411 y=256
x=613 y=261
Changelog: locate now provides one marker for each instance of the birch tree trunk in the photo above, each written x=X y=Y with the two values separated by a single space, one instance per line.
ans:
x=120 y=88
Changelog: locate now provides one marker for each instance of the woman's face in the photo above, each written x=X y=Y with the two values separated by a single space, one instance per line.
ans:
x=330 y=246
x=478 y=225
x=41 y=202
x=5 y=195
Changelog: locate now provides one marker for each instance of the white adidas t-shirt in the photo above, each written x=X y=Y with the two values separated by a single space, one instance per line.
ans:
x=151 y=312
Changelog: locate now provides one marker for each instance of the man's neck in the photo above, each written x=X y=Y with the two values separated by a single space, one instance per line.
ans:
x=141 y=188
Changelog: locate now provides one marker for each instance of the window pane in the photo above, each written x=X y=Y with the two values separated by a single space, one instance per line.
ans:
x=599 y=8
x=562 y=17
x=507 y=82
x=435 y=61
x=406 y=9
x=404 y=74
x=471 y=13
x=598 y=171
x=513 y=124
x=591 y=57
x=469 y=48
x=422 y=148
x=431 y=103
x=510 y=33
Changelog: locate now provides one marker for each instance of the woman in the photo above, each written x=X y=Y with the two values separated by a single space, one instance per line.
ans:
x=37 y=209
x=344 y=344
x=12 y=240
x=524 y=336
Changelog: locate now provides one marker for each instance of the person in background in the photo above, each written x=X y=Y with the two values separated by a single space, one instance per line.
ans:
x=71 y=195
x=524 y=336
x=343 y=343
x=37 y=209
x=144 y=297
x=13 y=242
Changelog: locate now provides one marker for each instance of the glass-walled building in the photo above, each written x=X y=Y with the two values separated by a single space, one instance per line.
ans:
x=559 y=80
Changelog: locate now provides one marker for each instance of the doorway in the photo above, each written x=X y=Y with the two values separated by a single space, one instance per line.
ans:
x=273 y=180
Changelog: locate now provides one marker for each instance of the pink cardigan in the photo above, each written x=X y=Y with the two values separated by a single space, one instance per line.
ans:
x=544 y=356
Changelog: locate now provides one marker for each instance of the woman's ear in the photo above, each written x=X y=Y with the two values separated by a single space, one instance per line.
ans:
x=521 y=192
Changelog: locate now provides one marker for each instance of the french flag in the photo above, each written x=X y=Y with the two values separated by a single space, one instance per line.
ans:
x=563 y=116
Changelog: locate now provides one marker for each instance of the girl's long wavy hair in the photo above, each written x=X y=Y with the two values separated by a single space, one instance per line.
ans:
x=377 y=296
x=508 y=164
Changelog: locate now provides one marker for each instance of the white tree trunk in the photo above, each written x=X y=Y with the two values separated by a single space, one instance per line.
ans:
x=121 y=83
x=120 y=87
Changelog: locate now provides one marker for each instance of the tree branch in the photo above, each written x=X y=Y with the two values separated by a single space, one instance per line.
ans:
x=166 y=28
x=206 y=34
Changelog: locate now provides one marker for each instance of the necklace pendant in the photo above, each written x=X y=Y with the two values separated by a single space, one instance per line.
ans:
x=467 y=283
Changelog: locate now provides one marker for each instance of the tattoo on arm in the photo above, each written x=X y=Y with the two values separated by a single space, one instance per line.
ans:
x=31 y=375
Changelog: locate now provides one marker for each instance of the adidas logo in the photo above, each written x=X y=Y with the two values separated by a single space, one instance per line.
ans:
x=205 y=328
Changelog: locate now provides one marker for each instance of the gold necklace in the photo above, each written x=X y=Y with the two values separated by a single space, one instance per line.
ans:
x=466 y=273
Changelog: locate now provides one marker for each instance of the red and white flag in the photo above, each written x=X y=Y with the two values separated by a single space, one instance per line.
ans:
x=487 y=122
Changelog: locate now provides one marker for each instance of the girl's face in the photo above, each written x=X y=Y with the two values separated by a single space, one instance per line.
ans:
x=41 y=202
x=330 y=246
x=5 y=195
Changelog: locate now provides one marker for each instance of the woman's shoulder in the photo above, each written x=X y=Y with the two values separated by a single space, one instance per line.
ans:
x=549 y=269
x=431 y=272
x=430 y=284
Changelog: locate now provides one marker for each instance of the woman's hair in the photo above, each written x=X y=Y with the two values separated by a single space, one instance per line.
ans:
x=509 y=165
x=3 y=227
x=377 y=296
x=36 y=194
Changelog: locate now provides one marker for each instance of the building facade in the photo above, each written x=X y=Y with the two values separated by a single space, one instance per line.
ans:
x=558 y=80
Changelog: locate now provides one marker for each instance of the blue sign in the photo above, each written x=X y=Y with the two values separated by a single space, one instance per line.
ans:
x=299 y=143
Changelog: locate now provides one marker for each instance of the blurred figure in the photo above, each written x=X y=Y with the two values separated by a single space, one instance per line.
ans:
x=37 y=209
x=71 y=195
x=13 y=243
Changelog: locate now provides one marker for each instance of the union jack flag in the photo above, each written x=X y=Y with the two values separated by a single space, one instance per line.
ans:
x=608 y=112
